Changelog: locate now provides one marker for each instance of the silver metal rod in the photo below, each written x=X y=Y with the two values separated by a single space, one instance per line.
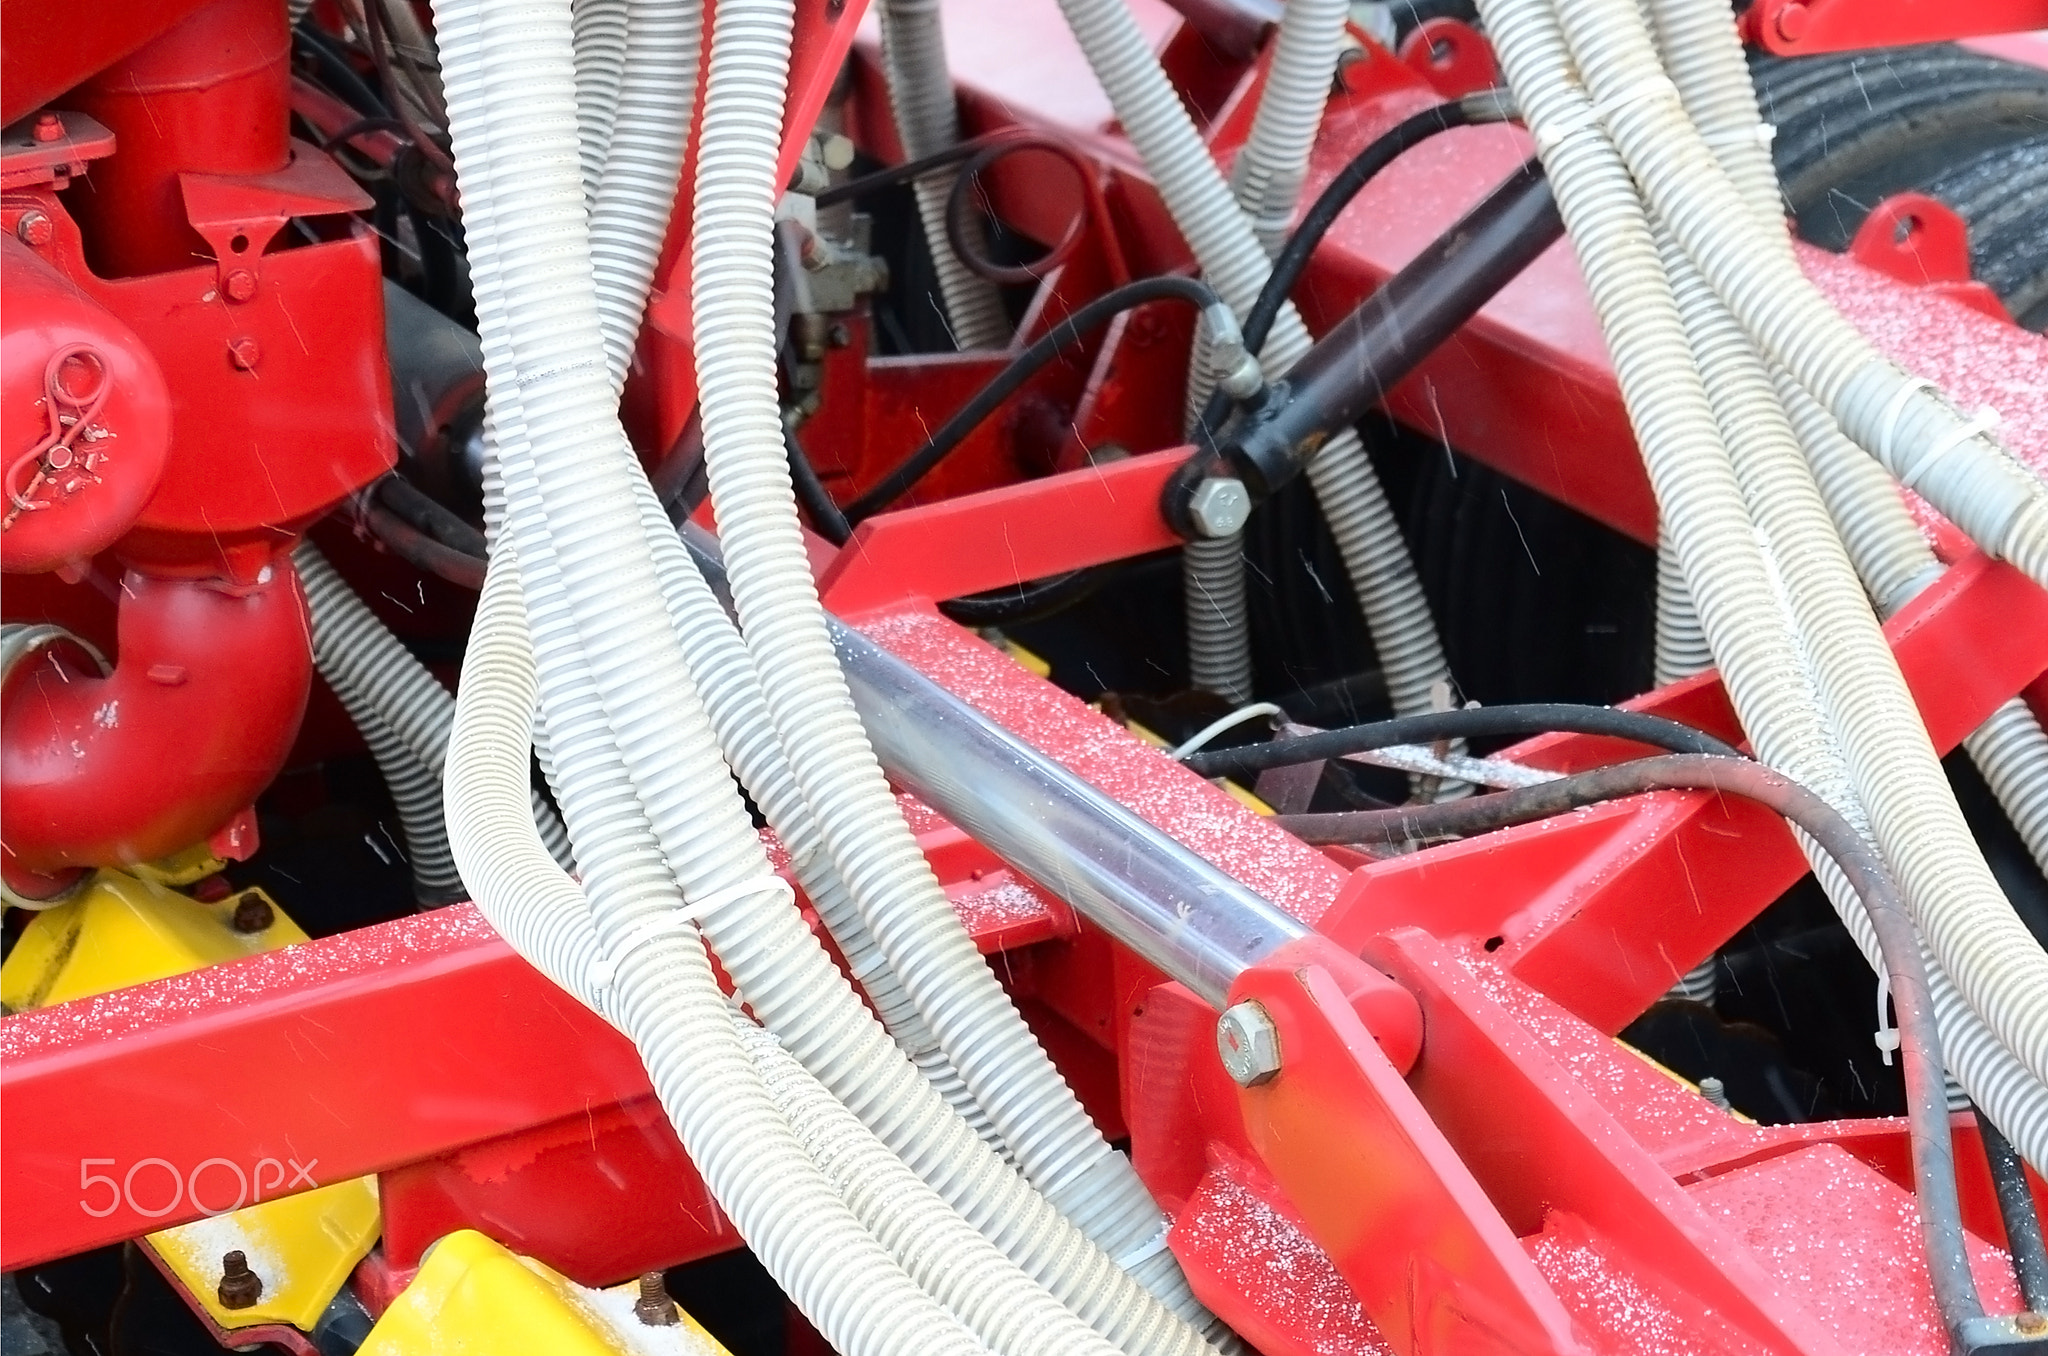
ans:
x=1171 y=907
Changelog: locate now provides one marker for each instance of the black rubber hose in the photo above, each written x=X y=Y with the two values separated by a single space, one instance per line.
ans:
x=817 y=501
x=1029 y=602
x=2016 y=1208
x=421 y=510
x=421 y=551
x=1020 y=369
x=1322 y=214
x=1476 y=722
x=1941 y=1213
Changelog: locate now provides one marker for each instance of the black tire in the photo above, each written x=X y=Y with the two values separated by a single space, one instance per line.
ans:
x=1857 y=127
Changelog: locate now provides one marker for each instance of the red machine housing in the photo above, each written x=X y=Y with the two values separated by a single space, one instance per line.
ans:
x=204 y=414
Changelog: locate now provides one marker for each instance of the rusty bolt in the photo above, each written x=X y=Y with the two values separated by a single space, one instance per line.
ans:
x=1791 y=22
x=35 y=229
x=253 y=913
x=244 y=353
x=654 y=1308
x=49 y=127
x=1249 y=1044
x=241 y=285
x=239 y=1287
x=2030 y=1324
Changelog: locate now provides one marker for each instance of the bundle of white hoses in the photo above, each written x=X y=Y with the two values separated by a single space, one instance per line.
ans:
x=887 y=1217
x=1743 y=384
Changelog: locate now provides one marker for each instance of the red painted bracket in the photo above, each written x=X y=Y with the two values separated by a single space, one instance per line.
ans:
x=1803 y=27
x=1380 y=1188
x=1006 y=536
x=1922 y=242
x=1482 y=1070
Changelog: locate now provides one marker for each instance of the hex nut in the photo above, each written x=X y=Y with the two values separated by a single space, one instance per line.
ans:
x=35 y=229
x=1220 y=506
x=1249 y=1044
x=240 y=1287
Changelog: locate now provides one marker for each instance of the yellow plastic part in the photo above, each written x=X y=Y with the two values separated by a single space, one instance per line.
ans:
x=120 y=931
x=474 y=1298
x=301 y=1247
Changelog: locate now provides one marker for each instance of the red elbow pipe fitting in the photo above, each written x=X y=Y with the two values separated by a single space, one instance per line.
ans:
x=192 y=722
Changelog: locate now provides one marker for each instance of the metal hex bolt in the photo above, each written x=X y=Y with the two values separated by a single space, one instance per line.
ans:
x=35 y=229
x=1221 y=505
x=1249 y=1044
x=241 y=285
x=49 y=127
x=244 y=353
x=654 y=1308
x=253 y=914
x=239 y=1287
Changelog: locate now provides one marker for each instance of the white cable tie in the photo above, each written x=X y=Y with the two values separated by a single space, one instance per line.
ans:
x=1984 y=421
x=1888 y=423
x=605 y=969
x=1145 y=1251
x=1649 y=87
x=1887 y=1036
x=700 y=909
x=1756 y=133
x=1551 y=135
x=1217 y=727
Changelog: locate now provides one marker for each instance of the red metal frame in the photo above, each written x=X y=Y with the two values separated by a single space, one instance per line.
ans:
x=1515 y=1181
x=1803 y=27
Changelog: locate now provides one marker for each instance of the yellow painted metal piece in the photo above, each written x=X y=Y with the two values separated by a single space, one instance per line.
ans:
x=301 y=1247
x=1026 y=659
x=120 y=931
x=474 y=1298
x=181 y=868
x=1232 y=789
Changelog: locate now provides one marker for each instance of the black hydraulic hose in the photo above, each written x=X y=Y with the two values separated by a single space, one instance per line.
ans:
x=1351 y=369
x=1028 y=602
x=1941 y=1213
x=1020 y=369
x=1517 y=721
x=1363 y=168
x=421 y=510
x=330 y=57
x=817 y=501
x=423 y=552
x=2016 y=1208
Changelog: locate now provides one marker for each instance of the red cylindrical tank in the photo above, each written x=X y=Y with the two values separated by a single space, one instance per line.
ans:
x=85 y=420
x=194 y=720
x=213 y=96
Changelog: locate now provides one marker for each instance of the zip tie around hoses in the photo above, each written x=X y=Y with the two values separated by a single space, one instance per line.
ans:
x=1755 y=134
x=1146 y=1251
x=1983 y=422
x=1888 y=422
x=1595 y=114
x=691 y=916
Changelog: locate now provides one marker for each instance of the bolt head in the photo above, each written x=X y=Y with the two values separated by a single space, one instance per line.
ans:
x=35 y=229
x=1249 y=1044
x=244 y=353
x=253 y=914
x=49 y=127
x=241 y=285
x=240 y=1287
x=1221 y=505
